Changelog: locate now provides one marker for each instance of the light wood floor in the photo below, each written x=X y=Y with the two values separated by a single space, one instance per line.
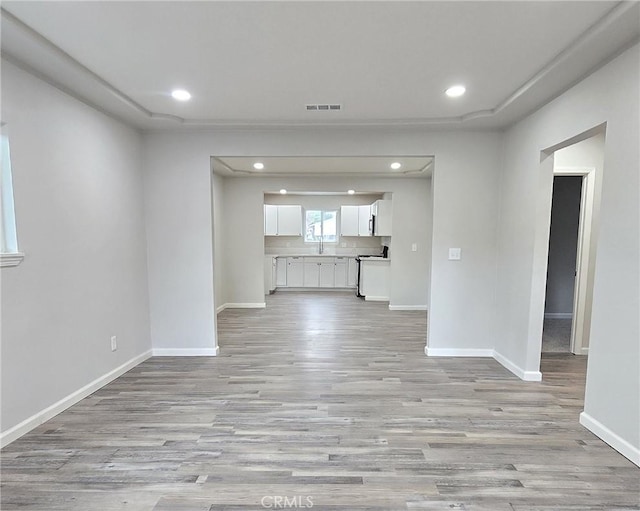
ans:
x=328 y=398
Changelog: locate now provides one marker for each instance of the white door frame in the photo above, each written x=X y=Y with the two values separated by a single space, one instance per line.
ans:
x=581 y=306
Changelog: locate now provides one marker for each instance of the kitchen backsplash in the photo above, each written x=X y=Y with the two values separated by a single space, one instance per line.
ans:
x=294 y=245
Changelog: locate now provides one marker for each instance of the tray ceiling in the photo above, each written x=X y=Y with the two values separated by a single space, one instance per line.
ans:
x=346 y=166
x=261 y=63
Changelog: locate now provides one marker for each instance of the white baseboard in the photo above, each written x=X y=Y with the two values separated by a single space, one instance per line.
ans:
x=257 y=305
x=8 y=436
x=376 y=298
x=606 y=435
x=558 y=315
x=455 y=352
x=489 y=353
x=407 y=307
x=517 y=370
x=186 y=352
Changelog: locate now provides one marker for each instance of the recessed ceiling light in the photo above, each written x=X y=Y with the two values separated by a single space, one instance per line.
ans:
x=455 y=91
x=351 y=192
x=396 y=165
x=181 y=95
x=283 y=191
x=258 y=165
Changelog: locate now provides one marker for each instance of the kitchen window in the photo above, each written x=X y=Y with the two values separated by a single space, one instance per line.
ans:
x=321 y=226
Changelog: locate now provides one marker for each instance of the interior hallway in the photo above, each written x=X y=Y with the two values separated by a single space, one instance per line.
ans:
x=556 y=335
x=327 y=397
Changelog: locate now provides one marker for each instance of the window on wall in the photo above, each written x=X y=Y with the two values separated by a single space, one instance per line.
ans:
x=9 y=254
x=321 y=225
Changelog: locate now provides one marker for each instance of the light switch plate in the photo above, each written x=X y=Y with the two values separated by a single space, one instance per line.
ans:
x=414 y=247
x=455 y=254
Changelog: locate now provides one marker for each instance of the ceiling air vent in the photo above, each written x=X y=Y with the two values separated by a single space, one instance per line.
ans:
x=324 y=107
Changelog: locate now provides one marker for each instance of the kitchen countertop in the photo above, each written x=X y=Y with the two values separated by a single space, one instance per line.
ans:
x=311 y=255
x=369 y=258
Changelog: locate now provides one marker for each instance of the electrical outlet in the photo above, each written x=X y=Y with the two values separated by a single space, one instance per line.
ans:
x=114 y=343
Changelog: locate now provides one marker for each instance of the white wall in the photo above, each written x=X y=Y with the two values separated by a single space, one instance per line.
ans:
x=78 y=182
x=465 y=212
x=178 y=209
x=179 y=219
x=612 y=402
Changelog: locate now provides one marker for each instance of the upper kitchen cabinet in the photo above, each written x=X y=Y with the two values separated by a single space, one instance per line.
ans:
x=355 y=220
x=381 y=214
x=348 y=220
x=270 y=220
x=282 y=220
x=289 y=220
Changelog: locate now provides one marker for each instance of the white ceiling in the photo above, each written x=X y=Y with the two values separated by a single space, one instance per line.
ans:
x=260 y=63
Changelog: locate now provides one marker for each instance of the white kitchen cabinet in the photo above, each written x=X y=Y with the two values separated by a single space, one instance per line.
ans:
x=341 y=269
x=382 y=211
x=354 y=220
x=281 y=272
x=311 y=272
x=314 y=271
x=374 y=278
x=289 y=220
x=319 y=272
x=282 y=220
x=270 y=220
x=295 y=271
x=327 y=274
x=364 y=220
x=352 y=272
x=269 y=274
x=349 y=223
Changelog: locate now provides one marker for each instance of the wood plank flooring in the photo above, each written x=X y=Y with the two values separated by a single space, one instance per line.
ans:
x=329 y=402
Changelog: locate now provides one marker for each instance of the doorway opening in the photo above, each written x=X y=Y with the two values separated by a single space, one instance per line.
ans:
x=577 y=172
x=559 y=332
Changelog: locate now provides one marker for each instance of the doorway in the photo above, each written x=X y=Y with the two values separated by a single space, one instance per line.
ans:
x=558 y=332
x=573 y=221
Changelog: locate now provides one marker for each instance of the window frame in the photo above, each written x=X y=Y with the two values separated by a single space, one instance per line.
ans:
x=322 y=221
x=10 y=255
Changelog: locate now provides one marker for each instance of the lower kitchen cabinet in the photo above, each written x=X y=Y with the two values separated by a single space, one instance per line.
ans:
x=295 y=271
x=319 y=272
x=374 y=279
x=314 y=272
x=269 y=274
x=311 y=273
x=281 y=272
x=327 y=274
x=340 y=274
